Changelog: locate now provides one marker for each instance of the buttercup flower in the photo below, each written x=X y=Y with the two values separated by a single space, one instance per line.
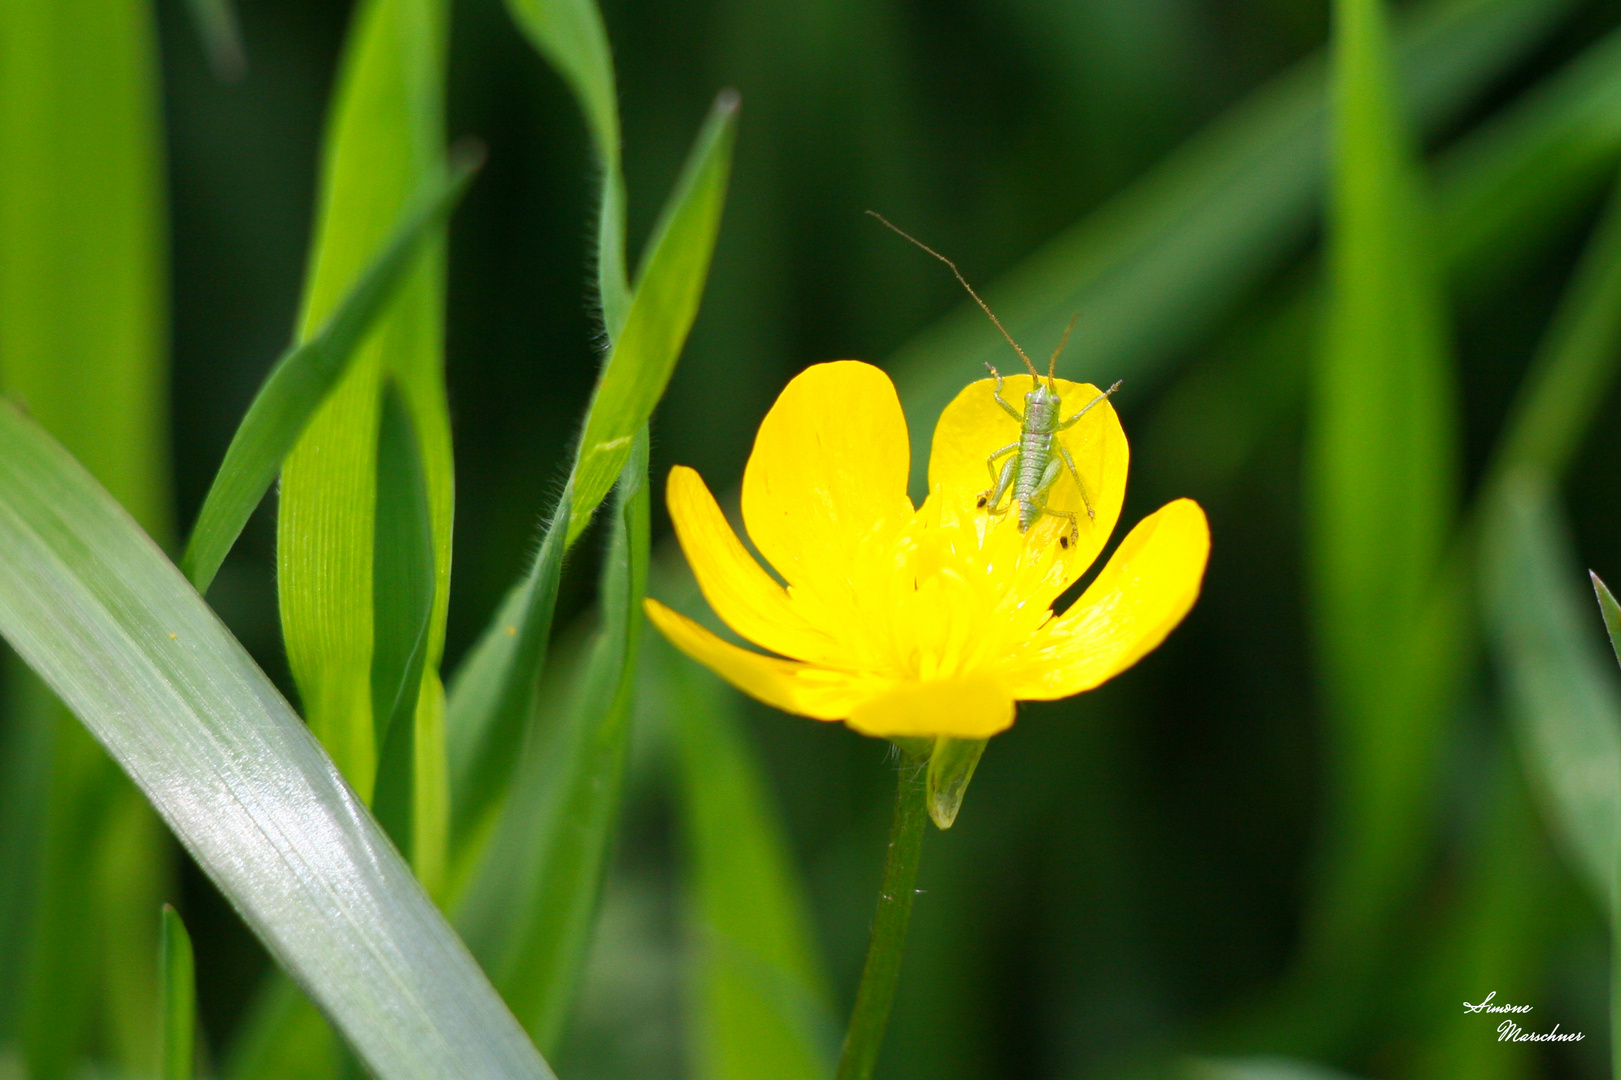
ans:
x=931 y=621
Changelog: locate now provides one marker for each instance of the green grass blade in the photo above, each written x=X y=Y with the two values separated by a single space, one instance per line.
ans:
x=1382 y=487
x=757 y=996
x=570 y=34
x=1611 y=612
x=540 y=971
x=403 y=611
x=1543 y=156
x=1562 y=690
x=83 y=342
x=492 y=694
x=668 y=289
x=179 y=998
x=384 y=144
x=1157 y=266
x=490 y=697
x=91 y=604
x=306 y=374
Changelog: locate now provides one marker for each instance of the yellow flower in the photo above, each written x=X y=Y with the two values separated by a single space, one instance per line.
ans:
x=908 y=622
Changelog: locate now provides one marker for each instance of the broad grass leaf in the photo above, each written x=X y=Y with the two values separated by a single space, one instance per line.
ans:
x=384 y=143
x=306 y=374
x=1563 y=693
x=115 y=629
x=83 y=345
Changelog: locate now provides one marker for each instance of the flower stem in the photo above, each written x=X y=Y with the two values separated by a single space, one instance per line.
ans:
x=883 y=967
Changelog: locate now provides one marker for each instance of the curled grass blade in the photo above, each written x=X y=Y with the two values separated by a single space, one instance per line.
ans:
x=179 y=1007
x=91 y=604
x=668 y=289
x=570 y=34
x=306 y=374
x=492 y=695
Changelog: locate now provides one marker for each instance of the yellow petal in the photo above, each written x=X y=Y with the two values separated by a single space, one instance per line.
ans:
x=827 y=477
x=971 y=707
x=741 y=593
x=974 y=426
x=805 y=689
x=1145 y=590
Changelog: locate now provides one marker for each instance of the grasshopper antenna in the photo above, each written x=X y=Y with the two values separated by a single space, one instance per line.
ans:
x=982 y=305
x=1052 y=365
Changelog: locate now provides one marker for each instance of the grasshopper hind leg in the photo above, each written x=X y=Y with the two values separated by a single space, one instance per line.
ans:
x=1000 y=482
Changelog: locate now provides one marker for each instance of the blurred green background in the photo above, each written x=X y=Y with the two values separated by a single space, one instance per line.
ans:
x=1135 y=869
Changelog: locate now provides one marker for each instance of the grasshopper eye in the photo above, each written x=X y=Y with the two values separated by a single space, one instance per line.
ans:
x=982 y=501
x=1063 y=542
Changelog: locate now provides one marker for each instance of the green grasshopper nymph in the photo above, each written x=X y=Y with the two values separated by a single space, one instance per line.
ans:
x=1031 y=468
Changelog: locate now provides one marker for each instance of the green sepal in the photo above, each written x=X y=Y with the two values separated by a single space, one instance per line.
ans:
x=951 y=766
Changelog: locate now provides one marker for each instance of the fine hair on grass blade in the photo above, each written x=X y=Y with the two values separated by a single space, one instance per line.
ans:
x=306 y=374
x=668 y=289
x=570 y=34
x=92 y=605
x=491 y=694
